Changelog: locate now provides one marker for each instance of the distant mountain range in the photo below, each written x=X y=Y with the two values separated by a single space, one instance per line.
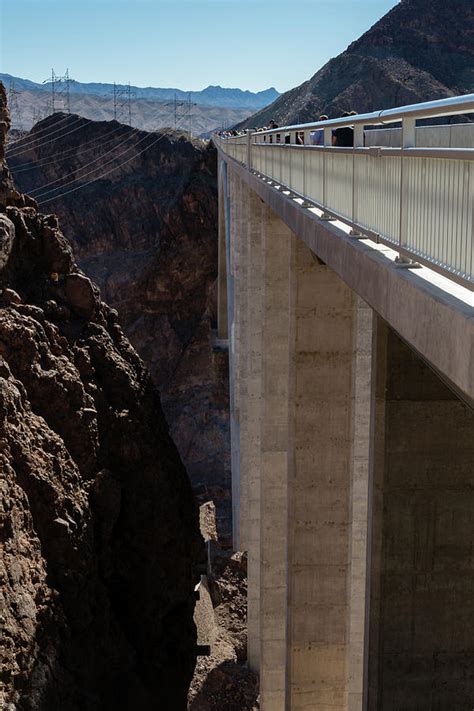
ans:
x=419 y=51
x=211 y=96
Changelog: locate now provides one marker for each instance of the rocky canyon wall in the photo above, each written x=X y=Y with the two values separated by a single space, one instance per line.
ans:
x=145 y=229
x=98 y=526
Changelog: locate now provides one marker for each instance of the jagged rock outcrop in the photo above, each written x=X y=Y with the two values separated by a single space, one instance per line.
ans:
x=98 y=526
x=146 y=231
x=419 y=51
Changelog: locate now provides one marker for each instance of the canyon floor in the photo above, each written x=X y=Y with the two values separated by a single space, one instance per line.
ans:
x=222 y=680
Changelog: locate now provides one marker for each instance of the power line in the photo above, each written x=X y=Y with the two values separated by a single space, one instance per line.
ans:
x=41 y=143
x=80 y=187
x=40 y=131
x=64 y=82
x=49 y=160
x=32 y=140
x=99 y=158
x=41 y=188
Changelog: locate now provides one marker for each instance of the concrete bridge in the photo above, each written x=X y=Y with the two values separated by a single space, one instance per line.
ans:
x=345 y=290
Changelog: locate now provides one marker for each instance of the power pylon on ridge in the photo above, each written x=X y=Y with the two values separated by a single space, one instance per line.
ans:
x=15 y=111
x=187 y=105
x=190 y=115
x=60 y=100
x=123 y=103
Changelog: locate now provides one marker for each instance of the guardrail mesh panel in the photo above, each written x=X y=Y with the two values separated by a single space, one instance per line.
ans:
x=339 y=182
x=314 y=175
x=297 y=169
x=377 y=194
x=439 y=204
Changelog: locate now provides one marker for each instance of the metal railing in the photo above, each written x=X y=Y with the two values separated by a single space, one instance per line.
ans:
x=418 y=200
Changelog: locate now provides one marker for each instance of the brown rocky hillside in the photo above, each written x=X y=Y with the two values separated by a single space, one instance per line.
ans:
x=421 y=50
x=147 y=234
x=98 y=528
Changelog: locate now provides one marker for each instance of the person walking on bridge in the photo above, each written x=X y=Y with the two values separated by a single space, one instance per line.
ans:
x=272 y=124
x=317 y=137
x=344 y=136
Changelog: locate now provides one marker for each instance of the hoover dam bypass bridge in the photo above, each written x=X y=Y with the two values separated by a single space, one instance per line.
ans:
x=346 y=293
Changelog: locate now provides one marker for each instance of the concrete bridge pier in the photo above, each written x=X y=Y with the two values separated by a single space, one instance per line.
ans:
x=352 y=458
x=275 y=276
x=422 y=566
x=302 y=383
x=329 y=421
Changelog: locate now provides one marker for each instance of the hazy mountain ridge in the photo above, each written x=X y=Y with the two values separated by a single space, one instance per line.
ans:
x=421 y=50
x=210 y=96
x=152 y=109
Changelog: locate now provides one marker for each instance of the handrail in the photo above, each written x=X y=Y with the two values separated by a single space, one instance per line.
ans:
x=419 y=201
x=453 y=106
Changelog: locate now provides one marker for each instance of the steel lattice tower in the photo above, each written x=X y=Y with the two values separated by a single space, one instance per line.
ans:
x=60 y=101
x=123 y=103
x=13 y=105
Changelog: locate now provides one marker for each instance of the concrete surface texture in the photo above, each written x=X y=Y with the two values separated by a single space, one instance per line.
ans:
x=354 y=476
x=422 y=648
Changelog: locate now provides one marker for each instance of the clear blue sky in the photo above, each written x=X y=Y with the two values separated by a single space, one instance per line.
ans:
x=186 y=44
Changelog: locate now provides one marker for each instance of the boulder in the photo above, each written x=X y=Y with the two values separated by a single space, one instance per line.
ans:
x=81 y=295
x=7 y=236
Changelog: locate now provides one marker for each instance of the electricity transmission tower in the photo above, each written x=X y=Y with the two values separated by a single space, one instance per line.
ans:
x=177 y=105
x=14 y=106
x=123 y=103
x=60 y=102
x=190 y=115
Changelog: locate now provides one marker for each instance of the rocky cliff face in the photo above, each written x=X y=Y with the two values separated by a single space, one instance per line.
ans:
x=147 y=233
x=98 y=527
x=421 y=50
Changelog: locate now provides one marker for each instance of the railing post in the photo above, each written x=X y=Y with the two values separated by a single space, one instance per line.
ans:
x=307 y=142
x=327 y=144
x=249 y=150
x=408 y=133
x=408 y=141
x=358 y=143
x=290 y=154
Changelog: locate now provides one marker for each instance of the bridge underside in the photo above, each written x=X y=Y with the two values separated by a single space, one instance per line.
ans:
x=352 y=469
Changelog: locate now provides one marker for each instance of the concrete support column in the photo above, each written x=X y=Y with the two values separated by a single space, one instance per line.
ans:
x=253 y=233
x=274 y=461
x=322 y=326
x=360 y=485
x=222 y=286
x=302 y=364
x=422 y=593
x=242 y=318
x=234 y=210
